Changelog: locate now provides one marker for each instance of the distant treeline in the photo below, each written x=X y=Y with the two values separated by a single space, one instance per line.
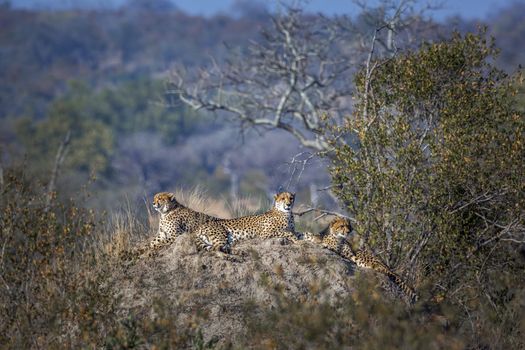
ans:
x=41 y=50
x=99 y=74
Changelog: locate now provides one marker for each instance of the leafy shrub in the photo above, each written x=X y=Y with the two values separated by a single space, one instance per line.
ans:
x=362 y=320
x=52 y=294
x=57 y=276
x=435 y=179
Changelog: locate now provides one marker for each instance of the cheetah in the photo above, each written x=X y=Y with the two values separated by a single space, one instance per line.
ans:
x=334 y=238
x=175 y=219
x=220 y=235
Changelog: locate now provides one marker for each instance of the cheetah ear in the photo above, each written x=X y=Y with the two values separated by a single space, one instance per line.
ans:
x=275 y=196
x=351 y=227
x=172 y=197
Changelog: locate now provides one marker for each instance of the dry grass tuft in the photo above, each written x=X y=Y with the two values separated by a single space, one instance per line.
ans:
x=197 y=199
x=244 y=206
x=125 y=230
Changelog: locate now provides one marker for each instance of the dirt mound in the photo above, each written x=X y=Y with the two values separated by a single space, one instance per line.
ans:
x=219 y=292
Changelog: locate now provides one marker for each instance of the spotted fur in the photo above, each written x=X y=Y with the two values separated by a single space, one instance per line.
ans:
x=334 y=238
x=175 y=219
x=220 y=235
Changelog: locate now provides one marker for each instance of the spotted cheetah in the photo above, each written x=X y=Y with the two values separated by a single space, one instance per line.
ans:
x=220 y=235
x=334 y=238
x=175 y=219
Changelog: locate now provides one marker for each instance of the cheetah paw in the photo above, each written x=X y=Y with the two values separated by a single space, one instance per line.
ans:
x=285 y=241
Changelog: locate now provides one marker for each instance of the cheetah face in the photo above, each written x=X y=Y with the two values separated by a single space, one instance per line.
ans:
x=284 y=201
x=340 y=227
x=164 y=202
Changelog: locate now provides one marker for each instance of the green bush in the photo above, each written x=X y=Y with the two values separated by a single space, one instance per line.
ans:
x=435 y=179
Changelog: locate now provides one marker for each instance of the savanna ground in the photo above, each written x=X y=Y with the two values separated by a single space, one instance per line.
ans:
x=64 y=286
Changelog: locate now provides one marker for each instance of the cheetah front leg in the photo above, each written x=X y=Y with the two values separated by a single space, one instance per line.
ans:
x=134 y=253
x=287 y=236
x=216 y=239
x=165 y=237
x=212 y=237
x=309 y=237
x=150 y=249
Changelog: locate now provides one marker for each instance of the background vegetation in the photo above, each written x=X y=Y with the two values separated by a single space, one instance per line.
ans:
x=428 y=161
x=105 y=71
x=436 y=182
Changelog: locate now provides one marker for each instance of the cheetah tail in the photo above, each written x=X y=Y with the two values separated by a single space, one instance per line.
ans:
x=409 y=293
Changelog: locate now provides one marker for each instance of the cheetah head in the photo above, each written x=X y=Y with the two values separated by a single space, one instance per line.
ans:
x=164 y=202
x=284 y=201
x=340 y=227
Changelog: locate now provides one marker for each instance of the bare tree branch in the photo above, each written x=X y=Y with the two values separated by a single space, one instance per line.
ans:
x=326 y=212
x=59 y=159
x=284 y=81
x=300 y=70
x=298 y=164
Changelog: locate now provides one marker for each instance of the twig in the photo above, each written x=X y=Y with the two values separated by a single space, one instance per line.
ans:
x=293 y=164
x=416 y=250
x=1 y=174
x=505 y=229
x=59 y=159
x=325 y=212
x=330 y=187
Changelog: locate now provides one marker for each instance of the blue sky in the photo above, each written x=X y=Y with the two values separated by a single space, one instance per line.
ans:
x=469 y=9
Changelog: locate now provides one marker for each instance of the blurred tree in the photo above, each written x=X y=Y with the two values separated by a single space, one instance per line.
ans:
x=300 y=70
x=97 y=119
x=42 y=50
x=91 y=139
x=150 y=5
x=137 y=106
x=508 y=25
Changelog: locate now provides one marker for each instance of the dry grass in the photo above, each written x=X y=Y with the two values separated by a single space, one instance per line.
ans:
x=123 y=231
x=244 y=206
x=197 y=199
x=60 y=287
